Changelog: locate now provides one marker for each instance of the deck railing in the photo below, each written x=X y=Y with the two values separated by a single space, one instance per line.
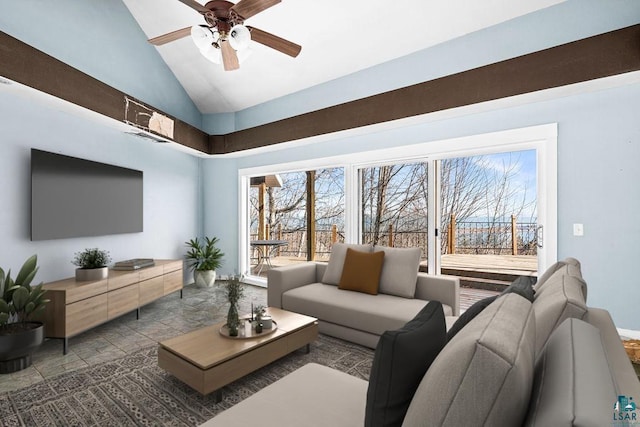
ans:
x=467 y=237
x=491 y=237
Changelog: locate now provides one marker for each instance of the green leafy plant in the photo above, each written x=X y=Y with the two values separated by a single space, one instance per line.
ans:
x=19 y=301
x=258 y=312
x=91 y=258
x=204 y=255
x=235 y=289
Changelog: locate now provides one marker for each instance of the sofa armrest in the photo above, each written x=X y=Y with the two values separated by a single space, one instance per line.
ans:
x=281 y=279
x=443 y=288
x=619 y=362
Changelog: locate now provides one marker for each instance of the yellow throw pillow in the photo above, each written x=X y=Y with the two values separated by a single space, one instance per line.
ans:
x=361 y=271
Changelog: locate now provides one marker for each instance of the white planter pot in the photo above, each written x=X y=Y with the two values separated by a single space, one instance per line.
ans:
x=204 y=278
x=91 y=274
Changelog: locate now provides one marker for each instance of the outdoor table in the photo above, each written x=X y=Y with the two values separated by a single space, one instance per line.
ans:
x=265 y=249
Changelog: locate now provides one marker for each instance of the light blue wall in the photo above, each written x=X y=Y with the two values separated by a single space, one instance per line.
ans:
x=172 y=212
x=100 y=38
x=219 y=124
x=563 y=23
x=598 y=176
x=598 y=150
x=220 y=201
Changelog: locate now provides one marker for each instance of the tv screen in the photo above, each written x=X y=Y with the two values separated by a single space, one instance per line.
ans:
x=72 y=197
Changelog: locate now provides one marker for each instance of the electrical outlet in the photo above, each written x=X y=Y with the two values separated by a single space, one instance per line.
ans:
x=578 y=230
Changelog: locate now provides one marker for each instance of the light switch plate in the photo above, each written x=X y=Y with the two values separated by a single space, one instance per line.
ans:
x=578 y=230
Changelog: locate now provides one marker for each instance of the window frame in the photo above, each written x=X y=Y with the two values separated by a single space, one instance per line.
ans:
x=542 y=138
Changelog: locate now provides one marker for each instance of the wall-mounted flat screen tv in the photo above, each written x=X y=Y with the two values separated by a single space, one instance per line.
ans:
x=73 y=197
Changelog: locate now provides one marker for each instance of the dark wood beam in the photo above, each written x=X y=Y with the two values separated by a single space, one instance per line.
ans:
x=25 y=64
x=604 y=55
x=600 y=56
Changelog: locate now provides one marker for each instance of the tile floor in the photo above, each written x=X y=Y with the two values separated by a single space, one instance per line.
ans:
x=167 y=317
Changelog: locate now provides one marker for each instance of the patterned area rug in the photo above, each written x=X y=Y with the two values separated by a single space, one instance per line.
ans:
x=134 y=391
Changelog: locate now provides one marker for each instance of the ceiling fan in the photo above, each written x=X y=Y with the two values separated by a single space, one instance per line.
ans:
x=225 y=38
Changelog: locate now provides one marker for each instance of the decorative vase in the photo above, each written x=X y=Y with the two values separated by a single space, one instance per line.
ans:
x=16 y=347
x=91 y=274
x=259 y=327
x=204 y=278
x=233 y=320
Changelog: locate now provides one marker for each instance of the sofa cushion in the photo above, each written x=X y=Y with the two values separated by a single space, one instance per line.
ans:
x=361 y=271
x=313 y=395
x=401 y=359
x=369 y=313
x=570 y=266
x=523 y=286
x=469 y=315
x=333 y=273
x=548 y=273
x=399 y=271
x=560 y=298
x=573 y=384
x=484 y=375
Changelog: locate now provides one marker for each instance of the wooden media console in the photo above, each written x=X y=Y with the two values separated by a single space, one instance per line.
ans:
x=78 y=306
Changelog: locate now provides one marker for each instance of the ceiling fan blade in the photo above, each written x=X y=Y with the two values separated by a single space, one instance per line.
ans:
x=195 y=5
x=229 y=57
x=248 y=8
x=169 y=37
x=275 y=42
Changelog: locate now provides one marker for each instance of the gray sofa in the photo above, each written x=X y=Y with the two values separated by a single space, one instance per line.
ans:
x=311 y=289
x=551 y=362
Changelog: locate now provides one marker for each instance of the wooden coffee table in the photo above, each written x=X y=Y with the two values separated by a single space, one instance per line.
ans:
x=207 y=361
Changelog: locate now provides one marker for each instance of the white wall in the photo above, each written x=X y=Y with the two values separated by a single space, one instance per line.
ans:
x=171 y=187
x=598 y=176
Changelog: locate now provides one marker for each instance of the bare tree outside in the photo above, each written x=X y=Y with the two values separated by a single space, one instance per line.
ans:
x=482 y=194
x=394 y=205
x=285 y=211
x=488 y=206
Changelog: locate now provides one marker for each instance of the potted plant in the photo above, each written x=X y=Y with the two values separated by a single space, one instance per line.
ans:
x=258 y=312
x=204 y=258
x=235 y=291
x=92 y=264
x=20 y=303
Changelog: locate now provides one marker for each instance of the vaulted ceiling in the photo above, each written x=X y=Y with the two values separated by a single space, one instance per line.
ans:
x=338 y=38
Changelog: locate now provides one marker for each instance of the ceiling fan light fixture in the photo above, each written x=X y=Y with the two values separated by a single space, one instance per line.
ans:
x=216 y=34
x=239 y=37
x=201 y=36
x=212 y=53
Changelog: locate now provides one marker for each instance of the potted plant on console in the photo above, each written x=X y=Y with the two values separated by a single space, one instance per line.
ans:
x=20 y=304
x=92 y=264
x=204 y=258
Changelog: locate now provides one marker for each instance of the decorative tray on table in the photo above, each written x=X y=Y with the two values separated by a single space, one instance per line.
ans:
x=246 y=331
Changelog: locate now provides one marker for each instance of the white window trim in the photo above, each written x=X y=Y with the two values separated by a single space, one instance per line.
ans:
x=542 y=138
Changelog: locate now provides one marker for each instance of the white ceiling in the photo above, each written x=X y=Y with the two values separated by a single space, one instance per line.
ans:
x=338 y=37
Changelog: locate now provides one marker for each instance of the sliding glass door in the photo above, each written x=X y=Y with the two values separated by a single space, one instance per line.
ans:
x=461 y=202
x=489 y=215
x=394 y=205
x=294 y=217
